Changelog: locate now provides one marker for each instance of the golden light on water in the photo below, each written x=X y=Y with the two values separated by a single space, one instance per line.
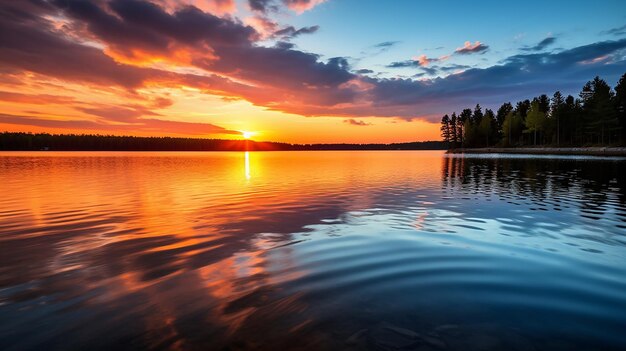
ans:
x=247 y=164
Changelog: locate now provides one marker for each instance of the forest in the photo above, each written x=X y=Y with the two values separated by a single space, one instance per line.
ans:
x=597 y=117
x=94 y=142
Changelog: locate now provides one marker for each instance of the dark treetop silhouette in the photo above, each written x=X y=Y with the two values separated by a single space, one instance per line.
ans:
x=597 y=117
x=73 y=142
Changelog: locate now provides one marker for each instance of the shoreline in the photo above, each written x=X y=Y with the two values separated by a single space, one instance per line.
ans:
x=583 y=151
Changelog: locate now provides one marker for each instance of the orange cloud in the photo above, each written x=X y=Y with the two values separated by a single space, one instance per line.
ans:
x=469 y=48
x=300 y=6
x=595 y=60
x=265 y=26
x=38 y=99
x=423 y=60
x=220 y=7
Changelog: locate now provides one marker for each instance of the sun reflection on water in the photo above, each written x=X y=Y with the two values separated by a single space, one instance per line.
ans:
x=247 y=165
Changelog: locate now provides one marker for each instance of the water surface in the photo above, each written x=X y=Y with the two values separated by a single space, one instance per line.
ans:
x=311 y=250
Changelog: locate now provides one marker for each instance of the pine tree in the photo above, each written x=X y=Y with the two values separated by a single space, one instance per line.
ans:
x=556 y=109
x=522 y=108
x=503 y=111
x=620 y=106
x=598 y=109
x=478 y=115
x=486 y=126
x=445 y=129
x=535 y=119
x=453 y=130
x=460 y=130
x=544 y=104
x=464 y=120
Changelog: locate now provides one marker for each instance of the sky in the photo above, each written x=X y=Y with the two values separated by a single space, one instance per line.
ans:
x=298 y=71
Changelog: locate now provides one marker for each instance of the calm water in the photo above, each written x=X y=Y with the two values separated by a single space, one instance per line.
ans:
x=311 y=250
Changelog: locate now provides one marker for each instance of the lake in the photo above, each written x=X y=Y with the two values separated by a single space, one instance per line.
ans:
x=376 y=250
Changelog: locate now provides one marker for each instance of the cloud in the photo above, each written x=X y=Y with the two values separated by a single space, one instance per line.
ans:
x=47 y=53
x=284 y=45
x=152 y=24
x=595 y=60
x=469 y=48
x=364 y=71
x=519 y=76
x=429 y=70
x=418 y=62
x=355 y=122
x=291 y=32
x=615 y=31
x=453 y=67
x=217 y=6
x=145 y=125
x=379 y=48
x=424 y=61
x=300 y=6
x=118 y=46
x=402 y=64
x=263 y=25
x=421 y=62
x=39 y=50
x=118 y=113
x=263 y=6
x=265 y=76
x=37 y=99
x=541 y=45
x=281 y=68
x=224 y=5
x=386 y=44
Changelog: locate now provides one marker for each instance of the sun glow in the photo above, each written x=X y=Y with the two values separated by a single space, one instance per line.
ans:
x=247 y=134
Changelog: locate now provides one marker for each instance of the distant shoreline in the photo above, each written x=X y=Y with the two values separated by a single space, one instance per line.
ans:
x=583 y=151
x=20 y=141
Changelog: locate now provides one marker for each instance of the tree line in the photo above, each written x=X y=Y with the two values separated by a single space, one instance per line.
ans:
x=94 y=142
x=596 y=117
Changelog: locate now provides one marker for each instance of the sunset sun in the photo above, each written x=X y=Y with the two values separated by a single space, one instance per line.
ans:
x=247 y=134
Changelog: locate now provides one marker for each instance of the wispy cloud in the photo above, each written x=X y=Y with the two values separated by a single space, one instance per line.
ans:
x=454 y=67
x=386 y=44
x=424 y=61
x=298 y=6
x=469 y=48
x=541 y=45
x=263 y=6
x=402 y=64
x=379 y=48
x=149 y=125
x=615 y=31
x=355 y=122
x=291 y=32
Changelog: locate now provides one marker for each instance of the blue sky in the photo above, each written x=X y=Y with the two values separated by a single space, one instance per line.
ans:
x=351 y=27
